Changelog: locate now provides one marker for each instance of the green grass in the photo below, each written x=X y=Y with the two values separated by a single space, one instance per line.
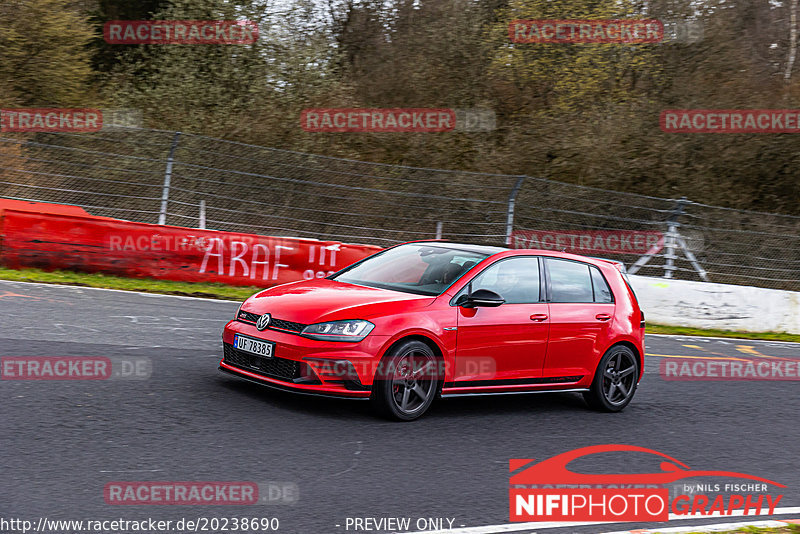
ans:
x=148 y=285
x=224 y=291
x=689 y=331
x=790 y=529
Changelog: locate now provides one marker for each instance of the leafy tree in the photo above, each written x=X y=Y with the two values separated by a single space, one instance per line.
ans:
x=43 y=56
x=105 y=55
x=219 y=89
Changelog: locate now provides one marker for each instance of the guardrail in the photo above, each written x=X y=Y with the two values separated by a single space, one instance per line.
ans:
x=49 y=236
x=137 y=250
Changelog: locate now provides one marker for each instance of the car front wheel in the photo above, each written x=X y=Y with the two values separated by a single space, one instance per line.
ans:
x=406 y=382
x=614 y=381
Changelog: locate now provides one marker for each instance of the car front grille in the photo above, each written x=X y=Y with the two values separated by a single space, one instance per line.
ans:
x=247 y=317
x=274 y=324
x=279 y=368
x=287 y=325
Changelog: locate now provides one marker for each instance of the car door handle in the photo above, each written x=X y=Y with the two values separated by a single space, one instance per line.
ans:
x=602 y=317
x=539 y=317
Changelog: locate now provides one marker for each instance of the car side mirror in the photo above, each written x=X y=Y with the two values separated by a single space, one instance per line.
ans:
x=481 y=298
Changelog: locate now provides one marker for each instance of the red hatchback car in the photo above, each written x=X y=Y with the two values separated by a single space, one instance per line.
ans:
x=428 y=319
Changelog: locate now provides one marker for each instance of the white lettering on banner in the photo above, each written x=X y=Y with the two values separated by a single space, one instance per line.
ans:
x=237 y=258
x=278 y=265
x=213 y=241
x=255 y=262
x=245 y=260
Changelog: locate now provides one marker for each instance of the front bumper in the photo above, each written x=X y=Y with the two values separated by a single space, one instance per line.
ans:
x=305 y=365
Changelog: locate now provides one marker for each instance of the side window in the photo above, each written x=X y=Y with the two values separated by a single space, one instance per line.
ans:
x=570 y=281
x=602 y=293
x=514 y=279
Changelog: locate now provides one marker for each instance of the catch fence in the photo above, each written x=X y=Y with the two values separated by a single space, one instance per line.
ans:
x=195 y=181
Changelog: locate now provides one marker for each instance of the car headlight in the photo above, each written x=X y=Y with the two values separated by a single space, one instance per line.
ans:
x=237 y=311
x=354 y=330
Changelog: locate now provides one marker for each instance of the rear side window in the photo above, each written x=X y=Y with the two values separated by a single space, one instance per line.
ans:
x=570 y=281
x=515 y=279
x=602 y=293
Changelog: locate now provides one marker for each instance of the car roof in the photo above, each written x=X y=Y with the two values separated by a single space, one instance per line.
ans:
x=492 y=250
x=466 y=247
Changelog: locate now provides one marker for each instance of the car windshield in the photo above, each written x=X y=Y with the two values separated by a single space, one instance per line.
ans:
x=422 y=269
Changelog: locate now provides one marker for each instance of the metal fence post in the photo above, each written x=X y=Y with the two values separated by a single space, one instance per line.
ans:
x=202 y=216
x=512 y=200
x=162 y=216
x=671 y=239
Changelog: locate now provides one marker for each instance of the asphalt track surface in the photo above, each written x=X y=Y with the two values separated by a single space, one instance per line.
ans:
x=62 y=441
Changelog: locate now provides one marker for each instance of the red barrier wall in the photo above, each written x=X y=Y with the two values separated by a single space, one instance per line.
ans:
x=42 y=207
x=138 y=250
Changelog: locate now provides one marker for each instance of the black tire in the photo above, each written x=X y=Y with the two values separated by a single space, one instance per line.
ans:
x=615 y=380
x=406 y=382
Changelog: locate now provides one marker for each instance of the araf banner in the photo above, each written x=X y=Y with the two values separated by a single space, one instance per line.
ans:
x=590 y=241
x=140 y=250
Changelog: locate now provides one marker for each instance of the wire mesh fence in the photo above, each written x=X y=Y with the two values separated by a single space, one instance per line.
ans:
x=123 y=173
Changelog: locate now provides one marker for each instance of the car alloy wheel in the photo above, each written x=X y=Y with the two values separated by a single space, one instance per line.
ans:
x=411 y=384
x=407 y=383
x=619 y=378
x=615 y=380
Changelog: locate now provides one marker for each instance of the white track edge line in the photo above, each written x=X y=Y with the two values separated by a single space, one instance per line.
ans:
x=518 y=527
x=717 y=527
x=724 y=338
x=145 y=293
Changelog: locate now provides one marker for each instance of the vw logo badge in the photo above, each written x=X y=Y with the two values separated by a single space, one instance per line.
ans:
x=263 y=321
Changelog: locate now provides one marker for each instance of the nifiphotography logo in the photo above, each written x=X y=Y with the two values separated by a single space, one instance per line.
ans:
x=549 y=491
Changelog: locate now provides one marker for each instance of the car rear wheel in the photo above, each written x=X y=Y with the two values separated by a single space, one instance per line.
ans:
x=615 y=380
x=406 y=382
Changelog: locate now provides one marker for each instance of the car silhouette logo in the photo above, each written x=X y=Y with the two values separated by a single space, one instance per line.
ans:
x=263 y=321
x=554 y=470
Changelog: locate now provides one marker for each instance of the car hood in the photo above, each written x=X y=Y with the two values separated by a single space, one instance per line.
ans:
x=318 y=300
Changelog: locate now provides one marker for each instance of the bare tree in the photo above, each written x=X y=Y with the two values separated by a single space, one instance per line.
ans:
x=787 y=76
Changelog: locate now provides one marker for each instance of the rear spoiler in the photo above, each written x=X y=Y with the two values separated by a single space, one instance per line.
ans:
x=618 y=264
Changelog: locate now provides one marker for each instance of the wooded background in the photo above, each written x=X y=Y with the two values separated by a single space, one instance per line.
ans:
x=578 y=113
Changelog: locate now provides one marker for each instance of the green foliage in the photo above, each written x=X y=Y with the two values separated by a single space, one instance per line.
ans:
x=559 y=78
x=221 y=90
x=583 y=113
x=43 y=56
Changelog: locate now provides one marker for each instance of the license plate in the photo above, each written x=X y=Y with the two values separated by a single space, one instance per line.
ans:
x=254 y=346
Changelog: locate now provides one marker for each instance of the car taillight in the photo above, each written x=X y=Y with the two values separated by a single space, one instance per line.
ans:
x=641 y=324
